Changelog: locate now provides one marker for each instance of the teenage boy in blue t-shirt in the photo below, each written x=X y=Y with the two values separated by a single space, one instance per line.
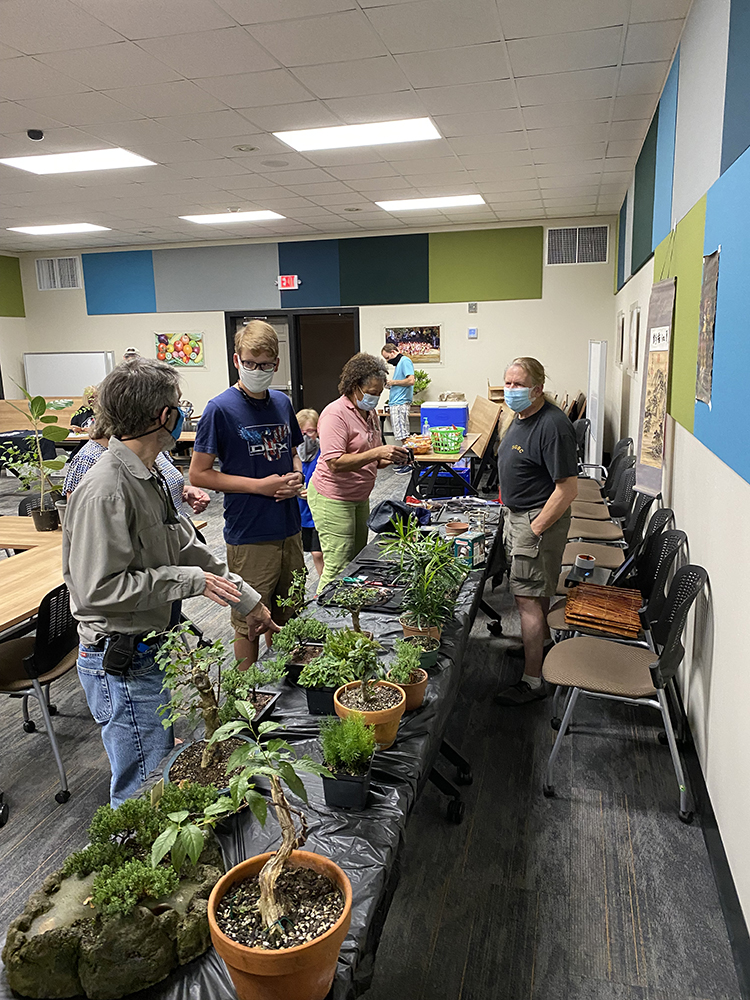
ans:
x=401 y=385
x=253 y=431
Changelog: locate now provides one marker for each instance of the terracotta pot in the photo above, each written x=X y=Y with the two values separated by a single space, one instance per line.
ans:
x=433 y=632
x=385 y=721
x=414 y=692
x=304 y=972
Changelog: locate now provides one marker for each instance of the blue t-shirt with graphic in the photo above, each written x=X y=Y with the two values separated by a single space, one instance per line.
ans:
x=402 y=394
x=254 y=438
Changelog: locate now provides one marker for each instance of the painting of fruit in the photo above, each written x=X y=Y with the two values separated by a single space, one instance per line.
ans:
x=180 y=348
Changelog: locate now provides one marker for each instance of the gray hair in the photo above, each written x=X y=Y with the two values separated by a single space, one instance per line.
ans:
x=133 y=395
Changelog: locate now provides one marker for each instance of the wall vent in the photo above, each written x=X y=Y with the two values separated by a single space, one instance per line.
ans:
x=582 y=245
x=53 y=273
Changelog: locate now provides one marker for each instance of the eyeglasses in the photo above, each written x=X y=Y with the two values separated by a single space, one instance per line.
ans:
x=264 y=366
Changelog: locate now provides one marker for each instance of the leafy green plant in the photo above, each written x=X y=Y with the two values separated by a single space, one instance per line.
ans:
x=298 y=633
x=406 y=668
x=421 y=382
x=119 y=890
x=326 y=671
x=30 y=466
x=296 y=597
x=347 y=656
x=426 y=603
x=352 y=599
x=242 y=685
x=348 y=744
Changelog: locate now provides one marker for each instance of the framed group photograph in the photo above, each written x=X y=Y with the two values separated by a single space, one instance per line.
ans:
x=420 y=343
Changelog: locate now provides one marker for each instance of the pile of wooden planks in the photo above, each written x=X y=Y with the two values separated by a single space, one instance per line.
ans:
x=604 y=609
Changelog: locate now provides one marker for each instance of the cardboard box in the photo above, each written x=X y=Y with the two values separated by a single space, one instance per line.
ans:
x=469 y=547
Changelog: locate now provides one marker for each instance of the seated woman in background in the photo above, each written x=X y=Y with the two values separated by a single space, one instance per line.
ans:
x=309 y=452
x=84 y=415
x=351 y=452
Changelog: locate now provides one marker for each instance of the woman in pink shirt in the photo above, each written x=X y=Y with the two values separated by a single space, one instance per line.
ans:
x=351 y=452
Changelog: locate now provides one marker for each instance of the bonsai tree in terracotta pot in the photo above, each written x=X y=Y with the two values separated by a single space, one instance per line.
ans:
x=407 y=672
x=348 y=747
x=272 y=942
x=426 y=604
x=381 y=702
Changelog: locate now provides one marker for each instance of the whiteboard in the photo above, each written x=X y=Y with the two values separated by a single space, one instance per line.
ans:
x=66 y=374
x=595 y=400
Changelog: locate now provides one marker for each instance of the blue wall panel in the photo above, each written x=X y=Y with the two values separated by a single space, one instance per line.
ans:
x=621 y=244
x=723 y=427
x=316 y=262
x=736 y=137
x=665 y=139
x=121 y=282
x=202 y=279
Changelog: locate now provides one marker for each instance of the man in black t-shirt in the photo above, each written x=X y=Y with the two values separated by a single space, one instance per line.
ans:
x=538 y=471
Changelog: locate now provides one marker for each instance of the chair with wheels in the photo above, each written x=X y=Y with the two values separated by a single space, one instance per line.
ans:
x=598 y=668
x=30 y=664
x=611 y=556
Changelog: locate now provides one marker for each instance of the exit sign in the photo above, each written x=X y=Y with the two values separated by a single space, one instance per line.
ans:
x=288 y=281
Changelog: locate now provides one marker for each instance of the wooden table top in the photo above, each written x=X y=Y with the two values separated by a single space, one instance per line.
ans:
x=450 y=459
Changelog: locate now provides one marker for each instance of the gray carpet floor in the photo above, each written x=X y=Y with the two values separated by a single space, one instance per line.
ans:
x=598 y=894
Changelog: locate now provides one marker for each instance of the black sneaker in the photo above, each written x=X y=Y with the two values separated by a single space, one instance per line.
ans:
x=517 y=653
x=520 y=694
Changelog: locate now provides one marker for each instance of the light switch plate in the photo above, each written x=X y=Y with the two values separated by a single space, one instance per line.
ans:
x=473 y=333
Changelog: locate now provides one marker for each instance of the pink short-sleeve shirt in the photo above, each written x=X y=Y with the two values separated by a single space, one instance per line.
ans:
x=343 y=429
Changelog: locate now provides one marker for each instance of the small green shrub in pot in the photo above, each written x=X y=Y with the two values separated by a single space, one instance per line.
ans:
x=348 y=744
x=406 y=668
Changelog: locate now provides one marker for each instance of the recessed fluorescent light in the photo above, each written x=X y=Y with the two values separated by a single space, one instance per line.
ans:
x=410 y=204
x=68 y=227
x=374 y=134
x=68 y=163
x=225 y=217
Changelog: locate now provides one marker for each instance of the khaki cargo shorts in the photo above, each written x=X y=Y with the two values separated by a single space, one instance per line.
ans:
x=268 y=567
x=534 y=562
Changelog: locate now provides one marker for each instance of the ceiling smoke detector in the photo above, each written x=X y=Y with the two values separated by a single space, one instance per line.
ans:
x=245 y=149
x=352 y=209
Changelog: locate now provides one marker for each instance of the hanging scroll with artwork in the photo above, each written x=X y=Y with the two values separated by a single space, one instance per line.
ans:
x=709 y=286
x=655 y=388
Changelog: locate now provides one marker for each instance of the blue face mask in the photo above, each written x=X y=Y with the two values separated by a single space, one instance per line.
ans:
x=368 y=401
x=518 y=399
x=177 y=429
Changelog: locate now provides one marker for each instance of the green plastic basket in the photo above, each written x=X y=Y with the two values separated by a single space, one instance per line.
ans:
x=447 y=440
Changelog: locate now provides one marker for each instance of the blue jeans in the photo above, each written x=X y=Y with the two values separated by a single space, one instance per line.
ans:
x=127 y=710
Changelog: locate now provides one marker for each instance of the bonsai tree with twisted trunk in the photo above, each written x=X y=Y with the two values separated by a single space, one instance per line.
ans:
x=354 y=598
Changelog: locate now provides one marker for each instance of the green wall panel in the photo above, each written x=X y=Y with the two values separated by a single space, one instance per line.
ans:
x=486 y=264
x=681 y=255
x=379 y=270
x=643 y=200
x=11 y=292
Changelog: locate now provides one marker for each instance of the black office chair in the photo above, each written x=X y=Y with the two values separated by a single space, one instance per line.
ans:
x=30 y=664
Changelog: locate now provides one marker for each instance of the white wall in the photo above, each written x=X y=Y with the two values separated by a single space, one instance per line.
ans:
x=622 y=410
x=576 y=307
x=12 y=346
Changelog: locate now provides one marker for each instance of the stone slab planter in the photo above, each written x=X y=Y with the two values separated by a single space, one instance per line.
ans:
x=414 y=692
x=304 y=972
x=385 y=720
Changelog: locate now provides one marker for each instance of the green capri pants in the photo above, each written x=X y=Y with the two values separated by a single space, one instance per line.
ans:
x=342 y=527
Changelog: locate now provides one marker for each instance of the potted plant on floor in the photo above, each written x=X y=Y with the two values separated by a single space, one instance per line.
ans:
x=278 y=920
x=343 y=651
x=381 y=702
x=29 y=463
x=407 y=672
x=348 y=748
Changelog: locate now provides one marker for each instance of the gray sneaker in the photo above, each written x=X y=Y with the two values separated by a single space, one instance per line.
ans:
x=520 y=694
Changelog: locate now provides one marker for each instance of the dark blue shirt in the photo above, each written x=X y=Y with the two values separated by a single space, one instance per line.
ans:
x=253 y=438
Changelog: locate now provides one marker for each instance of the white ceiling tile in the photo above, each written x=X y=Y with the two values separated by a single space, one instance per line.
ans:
x=177 y=151
x=540 y=17
x=24 y=78
x=311 y=176
x=560 y=154
x=48 y=25
x=429 y=189
x=522 y=215
x=575 y=113
x=613 y=164
x=325 y=187
x=652 y=42
x=567 y=183
x=147 y=19
x=572 y=204
x=6 y=52
x=357 y=170
x=462 y=64
x=515 y=204
x=102 y=67
x=280 y=117
x=210 y=53
x=343 y=157
x=488 y=176
x=479 y=123
x=267 y=145
x=259 y=11
x=221 y=167
x=632 y=129
x=582 y=190
x=556 y=88
x=416 y=150
x=269 y=163
x=570 y=168
x=642 y=78
x=384 y=184
x=541 y=138
x=158 y=100
x=250 y=182
x=384 y=107
x=254 y=90
x=211 y=125
x=500 y=185
x=496 y=160
x=342 y=198
x=638 y=106
x=354 y=78
x=56 y=140
x=564 y=53
x=469 y=97
x=436 y=24
x=658 y=10
x=426 y=165
x=500 y=142
x=629 y=148
x=16 y=117
x=90 y=108
x=133 y=133
x=327 y=38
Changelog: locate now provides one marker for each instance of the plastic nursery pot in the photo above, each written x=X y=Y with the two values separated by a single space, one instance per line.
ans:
x=46 y=520
x=427 y=657
x=385 y=721
x=433 y=632
x=295 y=666
x=414 y=692
x=320 y=701
x=347 y=791
x=304 y=972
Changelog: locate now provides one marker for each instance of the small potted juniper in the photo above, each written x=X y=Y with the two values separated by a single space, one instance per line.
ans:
x=381 y=702
x=278 y=920
x=348 y=748
x=407 y=672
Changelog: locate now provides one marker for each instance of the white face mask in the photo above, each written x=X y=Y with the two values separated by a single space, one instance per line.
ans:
x=368 y=402
x=256 y=381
